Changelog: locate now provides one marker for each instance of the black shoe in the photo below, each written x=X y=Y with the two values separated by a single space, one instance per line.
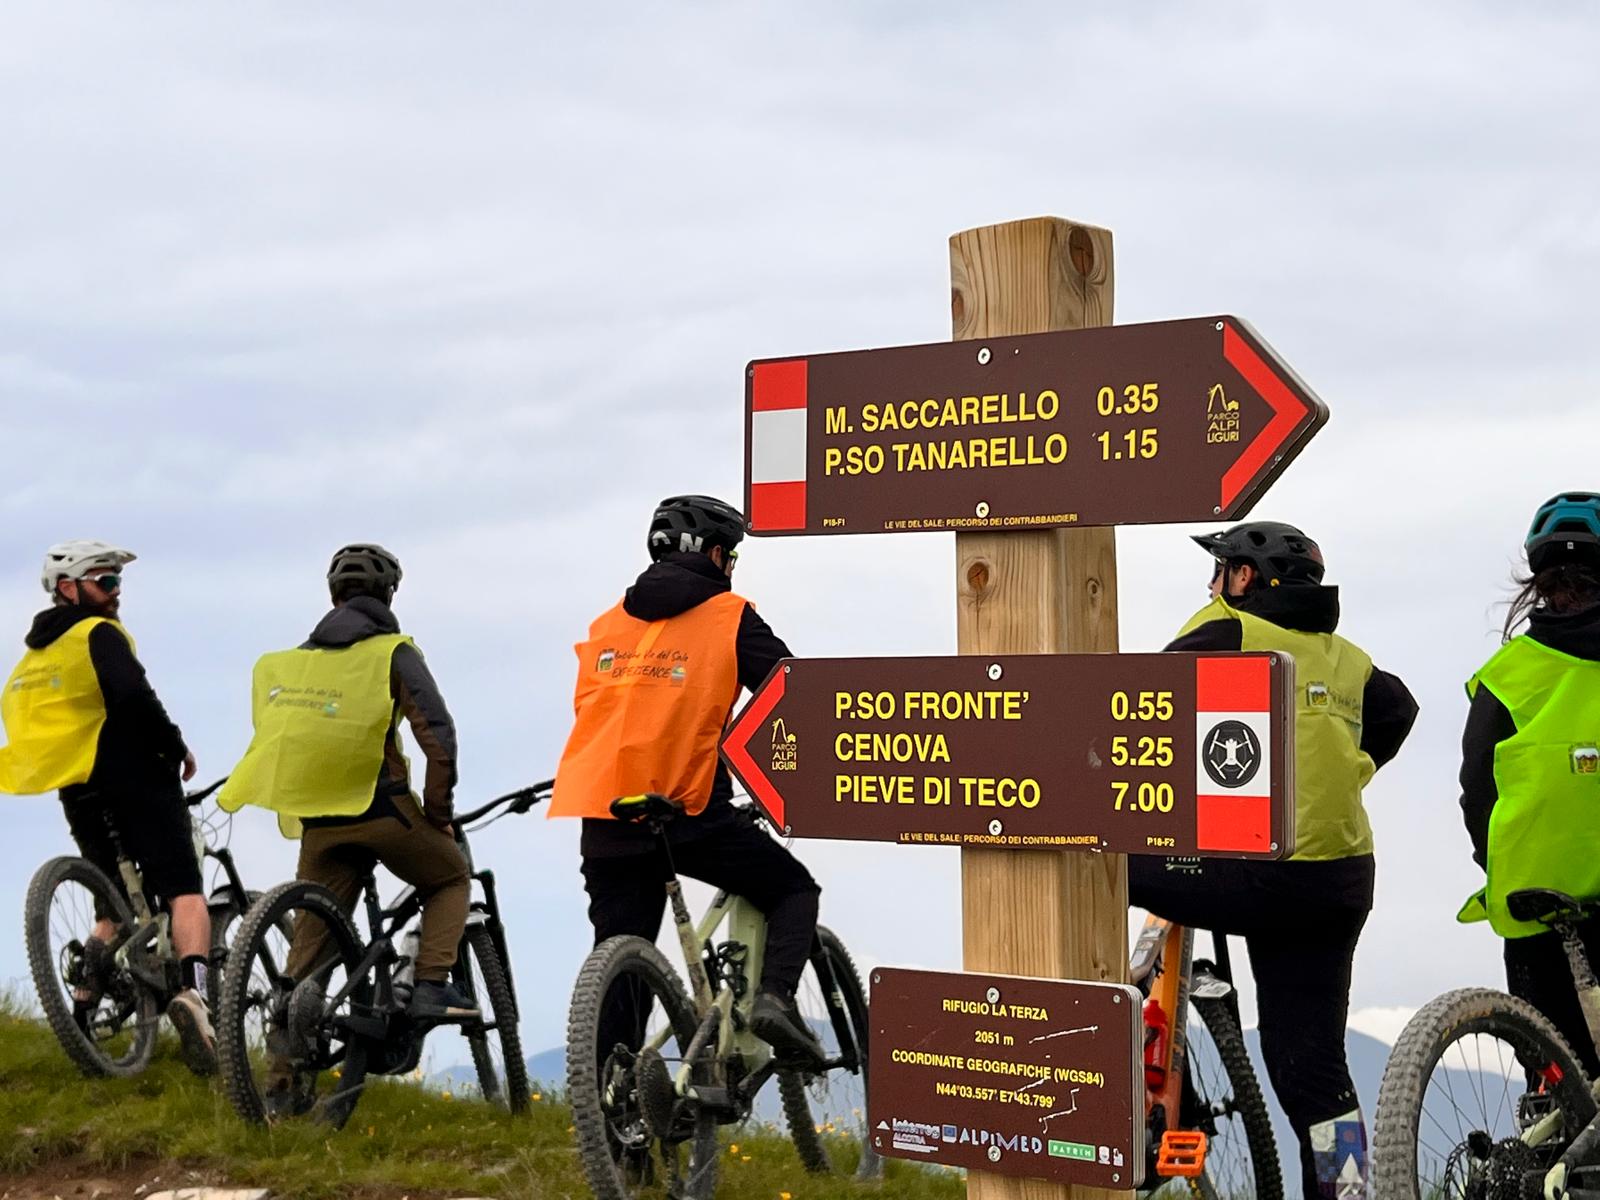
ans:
x=432 y=1001
x=776 y=1020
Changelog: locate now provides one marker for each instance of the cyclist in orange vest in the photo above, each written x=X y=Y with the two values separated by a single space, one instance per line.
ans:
x=657 y=681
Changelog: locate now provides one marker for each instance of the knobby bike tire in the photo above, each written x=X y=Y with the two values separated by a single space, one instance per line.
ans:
x=808 y=1140
x=1249 y=1103
x=501 y=1010
x=83 y=1052
x=609 y=961
x=233 y=1052
x=1423 y=1043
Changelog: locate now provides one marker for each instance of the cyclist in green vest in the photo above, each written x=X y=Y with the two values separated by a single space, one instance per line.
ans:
x=1300 y=918
x=1530 y=769
x=326 y=757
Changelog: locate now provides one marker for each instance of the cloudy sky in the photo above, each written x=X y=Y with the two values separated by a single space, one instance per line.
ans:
x=481 y=284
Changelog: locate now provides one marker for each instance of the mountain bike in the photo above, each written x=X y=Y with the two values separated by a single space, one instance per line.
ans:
x=1483 y=1098
x=305 y=1047
x=646 y=1109
x=136 y=973
x=1208 y=1130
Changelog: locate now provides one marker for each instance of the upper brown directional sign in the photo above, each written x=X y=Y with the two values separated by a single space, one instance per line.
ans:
x=1178 y=754
x=1129 y=424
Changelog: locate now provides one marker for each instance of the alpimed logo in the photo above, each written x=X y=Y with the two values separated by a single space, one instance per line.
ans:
x=607 y=658
x=1232 y=754
x=785 y=751
x=1318 y=696
x=1586 y=760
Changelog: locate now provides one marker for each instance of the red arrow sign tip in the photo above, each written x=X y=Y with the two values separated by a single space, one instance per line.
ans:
x=1288 y=410
x=736 y=745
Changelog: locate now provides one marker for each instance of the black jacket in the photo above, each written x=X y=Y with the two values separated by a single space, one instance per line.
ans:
x=666 y=589
x=141 y=751
x=417 y=697
x=1388 y=711
x=1489 y=723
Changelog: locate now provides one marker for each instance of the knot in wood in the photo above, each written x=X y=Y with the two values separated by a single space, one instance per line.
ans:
x=978 y=575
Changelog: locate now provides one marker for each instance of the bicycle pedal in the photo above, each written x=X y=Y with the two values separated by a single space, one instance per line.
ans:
x=1182 y=1154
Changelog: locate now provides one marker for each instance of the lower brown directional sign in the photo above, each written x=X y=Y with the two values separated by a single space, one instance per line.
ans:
x=1034 y=1077
x=1176 y=754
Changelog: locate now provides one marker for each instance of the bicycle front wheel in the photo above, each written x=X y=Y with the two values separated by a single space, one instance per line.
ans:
x=827 y=1113
x=112 y=1031
x=496 y=1046
x=1480 y=1097
x=630 y=1025
x=282 y=1054
x=1223 y=1100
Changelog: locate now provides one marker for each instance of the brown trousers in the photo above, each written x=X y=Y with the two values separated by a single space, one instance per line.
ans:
x=339 y=857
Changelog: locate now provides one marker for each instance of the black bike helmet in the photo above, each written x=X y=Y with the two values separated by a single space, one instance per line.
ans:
x=366 y=568
x=689 y=524
x=1566 y=528
x=1280 y=553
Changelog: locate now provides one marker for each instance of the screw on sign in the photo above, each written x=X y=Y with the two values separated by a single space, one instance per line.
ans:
x=1179 y=754
x=1130 y=424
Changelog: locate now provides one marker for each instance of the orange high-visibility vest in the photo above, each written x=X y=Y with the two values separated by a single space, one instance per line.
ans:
x=651 y=703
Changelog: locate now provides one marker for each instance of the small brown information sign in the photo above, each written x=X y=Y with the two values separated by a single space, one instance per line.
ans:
x=1122 y=425
x=1034 y=1077
x=1176 y=754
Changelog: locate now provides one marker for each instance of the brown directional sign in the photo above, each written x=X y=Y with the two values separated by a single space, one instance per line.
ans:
x=1034 y=1077
x=1123 y=425
x=1176 y=754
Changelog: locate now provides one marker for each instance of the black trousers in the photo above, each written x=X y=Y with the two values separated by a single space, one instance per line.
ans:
x=1537 y=971
x=627 y=896
x=1301 y=950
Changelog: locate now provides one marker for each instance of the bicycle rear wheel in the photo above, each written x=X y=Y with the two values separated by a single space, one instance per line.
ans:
x=634 y=1133
x=494 y=1041
x=117 y=1034
x=825 y=1110
x=1223 y=1100
x=1456 y=1099
x=281 y=1053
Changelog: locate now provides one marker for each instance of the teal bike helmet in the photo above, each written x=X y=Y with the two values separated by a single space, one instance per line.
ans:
x=1566 y=527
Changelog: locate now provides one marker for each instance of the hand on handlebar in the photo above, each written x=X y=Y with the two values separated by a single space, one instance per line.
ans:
x=189 y=766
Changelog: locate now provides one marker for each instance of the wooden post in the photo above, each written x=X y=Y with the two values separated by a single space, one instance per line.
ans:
x=1049 y=913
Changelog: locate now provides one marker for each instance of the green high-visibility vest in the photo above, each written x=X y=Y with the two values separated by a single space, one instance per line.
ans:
x=1330 y=768
x=322 y=718
x=1544 y=831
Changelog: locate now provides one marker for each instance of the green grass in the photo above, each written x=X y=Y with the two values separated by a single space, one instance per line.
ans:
x=402 y=1141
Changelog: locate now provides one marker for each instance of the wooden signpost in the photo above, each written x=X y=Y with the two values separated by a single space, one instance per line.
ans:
x=1031 y=435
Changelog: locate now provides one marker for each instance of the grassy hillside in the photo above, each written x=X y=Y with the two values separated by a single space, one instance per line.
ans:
x=402 y=1141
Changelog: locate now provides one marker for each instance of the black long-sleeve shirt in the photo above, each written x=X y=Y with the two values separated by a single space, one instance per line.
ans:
x=666 y=589
x=1489 y=722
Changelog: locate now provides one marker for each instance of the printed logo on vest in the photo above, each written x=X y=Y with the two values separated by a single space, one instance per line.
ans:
x=679 y=674
x=1317 y=695
x=331 y=709
x=1232 y=754
x=1585 y=759
x=785 y=753
x=607 y=657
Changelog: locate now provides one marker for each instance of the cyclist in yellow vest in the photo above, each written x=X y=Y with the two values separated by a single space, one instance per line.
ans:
x=81 y=717
x=1300 y=918
x=327 y=758
x=1530 y=757
x=657 y=681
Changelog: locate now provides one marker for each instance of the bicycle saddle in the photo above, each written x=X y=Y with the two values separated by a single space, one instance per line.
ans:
x=648 y=807
x=1545 y=906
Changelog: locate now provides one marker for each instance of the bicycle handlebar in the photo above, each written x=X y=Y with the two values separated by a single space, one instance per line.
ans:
x=519 y=801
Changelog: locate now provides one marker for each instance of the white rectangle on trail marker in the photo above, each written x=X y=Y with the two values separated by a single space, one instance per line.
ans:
x=778 y=446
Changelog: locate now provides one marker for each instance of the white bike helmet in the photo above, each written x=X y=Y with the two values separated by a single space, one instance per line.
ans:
x=75 y=559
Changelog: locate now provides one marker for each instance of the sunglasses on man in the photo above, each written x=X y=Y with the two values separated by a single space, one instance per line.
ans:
x=106 y=583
